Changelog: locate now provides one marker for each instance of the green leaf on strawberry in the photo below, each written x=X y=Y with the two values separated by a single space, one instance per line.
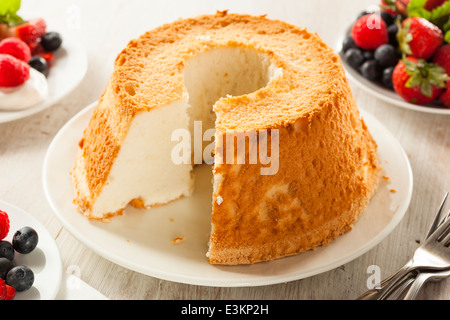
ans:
x=426 y=75
x=8 y=12
x=439 y=16
x=416 y=8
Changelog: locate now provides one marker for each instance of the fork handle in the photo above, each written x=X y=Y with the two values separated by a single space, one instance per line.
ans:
x=417 y=285
x=394 y=281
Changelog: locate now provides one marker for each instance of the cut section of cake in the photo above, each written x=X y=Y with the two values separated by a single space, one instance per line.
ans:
x=267 y=103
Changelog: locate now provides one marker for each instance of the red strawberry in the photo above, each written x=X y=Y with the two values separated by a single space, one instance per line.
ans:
x=418 y=81
x=442 y=57
x=432 y=4
x=31 y=31
x=419 y=38
x=369 y=32
x=444 y=98
x=389 y=6
x=16 y=48
x=402 y=6
x=4 y=225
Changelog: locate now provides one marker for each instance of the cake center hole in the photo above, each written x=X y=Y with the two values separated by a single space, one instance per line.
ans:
x=220 y=73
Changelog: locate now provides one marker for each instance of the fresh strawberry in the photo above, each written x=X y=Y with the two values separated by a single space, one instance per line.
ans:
x=10 y=292
x=4 y=225
x=419 y=38
x=402 y=6
x=418 y=81
x=442 y=57
x=444 y=98
x=433 y=4
x=16 y=48
x=389 y=6
x=3 y=289
x=13 y=73
x=31 y=31
x=369 y=32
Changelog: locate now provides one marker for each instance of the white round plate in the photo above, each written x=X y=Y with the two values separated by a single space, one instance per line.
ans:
x=44 y=261
x=70 y=66
x=383 y=93
x=141 y=240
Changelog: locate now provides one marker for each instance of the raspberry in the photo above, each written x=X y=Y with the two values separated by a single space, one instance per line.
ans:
x=370 y=31
x=16 y=48
x=3 y=289
x=4 y=225
x=13 y=72
x=10 y=292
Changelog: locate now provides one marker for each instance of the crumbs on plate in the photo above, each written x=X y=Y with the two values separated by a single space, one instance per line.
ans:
x=178 y=240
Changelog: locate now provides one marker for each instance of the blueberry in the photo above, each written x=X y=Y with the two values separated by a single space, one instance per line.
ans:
x=386 y=55
x=371 y=70
x=21 y=278
x=5 y=266
x=6 y=250
x=39 y=63
x=354 y=58
x=51 y=41
x=392 y=33
x=387 y=77
x=368 y=55
x=25 y=240
x=348 y=43
x=388 y=18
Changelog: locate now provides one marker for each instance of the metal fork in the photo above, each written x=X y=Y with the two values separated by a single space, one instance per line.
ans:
x=423 y=277
x=434 y=254
x=438 y=220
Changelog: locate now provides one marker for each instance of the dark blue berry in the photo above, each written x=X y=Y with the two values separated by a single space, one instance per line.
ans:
x=25 y=240
x=368 y=54
x=51 y=41
x=6 y=250
x=39 y=63
x=371 y=70
x=386 y=55
x=386 y=78
x=5 y=266
x=354 y=58
x=388 y=18
x=21 y=278
x=348 y=43
x=392 y=33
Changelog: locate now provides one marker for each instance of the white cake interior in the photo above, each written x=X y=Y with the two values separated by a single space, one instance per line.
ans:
x=144 y=168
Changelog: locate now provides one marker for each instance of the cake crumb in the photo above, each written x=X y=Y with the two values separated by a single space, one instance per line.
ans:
x=178 y=240
x=393 y=191
x=386 y=178
x=172 y=219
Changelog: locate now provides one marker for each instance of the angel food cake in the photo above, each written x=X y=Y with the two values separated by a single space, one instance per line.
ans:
x=240 y=76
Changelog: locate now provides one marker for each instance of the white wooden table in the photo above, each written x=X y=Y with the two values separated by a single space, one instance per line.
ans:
x=105 y=27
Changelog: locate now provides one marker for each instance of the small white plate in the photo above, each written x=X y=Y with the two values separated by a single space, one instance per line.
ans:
x=70 y=66
x=383 y=93
x=44 y=261
x=141 y=240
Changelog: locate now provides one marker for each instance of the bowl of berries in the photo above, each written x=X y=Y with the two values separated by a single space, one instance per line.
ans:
x=38 y=65
x=399 y=51
x=30 y=262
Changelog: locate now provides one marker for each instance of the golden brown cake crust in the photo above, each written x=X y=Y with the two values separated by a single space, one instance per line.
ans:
x=328 y=163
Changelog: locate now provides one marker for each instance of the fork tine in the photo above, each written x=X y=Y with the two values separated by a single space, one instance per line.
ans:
x=438 y=219
x=442 y=232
